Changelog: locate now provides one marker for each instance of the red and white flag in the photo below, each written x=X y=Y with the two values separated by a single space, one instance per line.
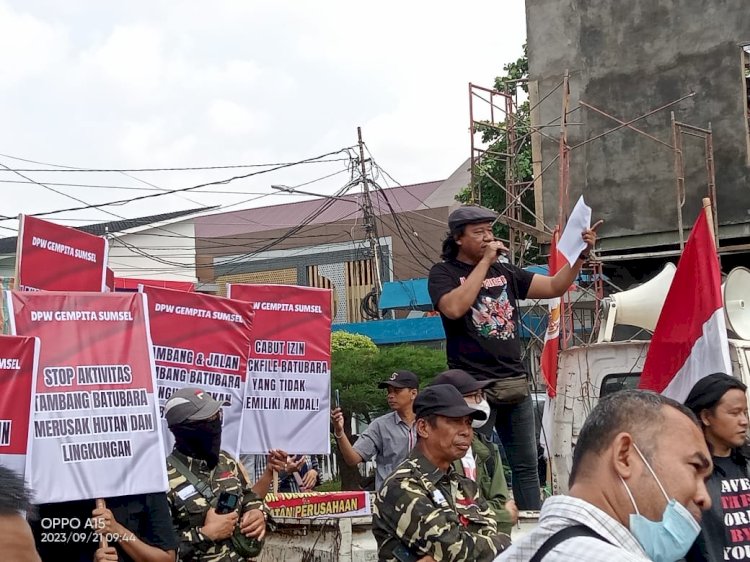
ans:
x=551 y=347
x=690 y=340
x=552 y=336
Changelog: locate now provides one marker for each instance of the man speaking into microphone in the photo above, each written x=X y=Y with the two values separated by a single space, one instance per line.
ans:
x=476 y=296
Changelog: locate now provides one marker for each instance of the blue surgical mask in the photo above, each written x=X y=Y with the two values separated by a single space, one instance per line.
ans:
x=667 y=540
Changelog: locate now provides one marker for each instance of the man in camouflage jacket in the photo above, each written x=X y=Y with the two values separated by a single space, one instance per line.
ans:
x=482 y=463
x=425 y=507
x=194 y=418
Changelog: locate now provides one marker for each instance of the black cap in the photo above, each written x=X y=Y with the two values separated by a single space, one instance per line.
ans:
x=709 y=391
x=463 y=381
x=444 y=400
x=401 y=379
x=190 y=404
x=470 y=214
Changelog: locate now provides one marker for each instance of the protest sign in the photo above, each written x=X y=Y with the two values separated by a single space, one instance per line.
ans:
x=319 y=504
x=94 y=418
x=57 y=258
x=201 y=341
x=19 y=359
x=289 y=372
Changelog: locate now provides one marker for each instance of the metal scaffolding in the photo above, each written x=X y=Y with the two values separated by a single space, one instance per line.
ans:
x=582 y=306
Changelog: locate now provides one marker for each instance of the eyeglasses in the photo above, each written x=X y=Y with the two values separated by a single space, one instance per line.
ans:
x=475 y=397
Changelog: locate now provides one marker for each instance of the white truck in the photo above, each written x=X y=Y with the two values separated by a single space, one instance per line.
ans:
x=587 y=373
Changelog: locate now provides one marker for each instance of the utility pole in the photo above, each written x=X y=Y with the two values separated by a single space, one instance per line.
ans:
x=369 y=217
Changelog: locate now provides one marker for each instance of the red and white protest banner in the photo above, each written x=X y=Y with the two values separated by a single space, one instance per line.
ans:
x=309 y=505
x=289 y=373
x=19 y=359
x=201 y=341
x=57 y=258
x=95 y=431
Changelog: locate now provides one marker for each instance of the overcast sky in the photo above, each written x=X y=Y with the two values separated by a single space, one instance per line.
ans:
x=158 y=84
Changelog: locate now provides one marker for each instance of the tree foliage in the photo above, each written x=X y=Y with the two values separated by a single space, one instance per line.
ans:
x=343 y=341
x=356 y=373
x=357 y=366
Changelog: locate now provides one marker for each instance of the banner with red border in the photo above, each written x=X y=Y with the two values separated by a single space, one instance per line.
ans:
x=19 y=361
x=94 y=422
x=287 y=398
x=52 y=257
x=311 y=505
x=201 y=341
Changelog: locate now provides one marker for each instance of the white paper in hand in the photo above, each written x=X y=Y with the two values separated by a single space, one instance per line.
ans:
x=571 y=243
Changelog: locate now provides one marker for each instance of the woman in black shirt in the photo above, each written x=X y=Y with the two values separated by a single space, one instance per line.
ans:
x=720 y=403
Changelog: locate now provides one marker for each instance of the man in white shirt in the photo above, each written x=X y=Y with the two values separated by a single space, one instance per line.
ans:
x=636 y=487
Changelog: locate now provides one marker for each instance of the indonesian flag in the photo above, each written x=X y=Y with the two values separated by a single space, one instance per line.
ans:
x=552 y=336
x=550 y=350
x=690 y=340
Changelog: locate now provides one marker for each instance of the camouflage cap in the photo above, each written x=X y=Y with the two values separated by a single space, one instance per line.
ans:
x=190 y=404
x=444 y=400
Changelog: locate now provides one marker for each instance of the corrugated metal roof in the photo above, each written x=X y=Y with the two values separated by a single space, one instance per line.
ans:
x=288 y=215
x=8 y=245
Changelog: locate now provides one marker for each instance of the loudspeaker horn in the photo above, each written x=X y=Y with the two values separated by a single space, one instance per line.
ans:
x=736 y=294
x=638 y=307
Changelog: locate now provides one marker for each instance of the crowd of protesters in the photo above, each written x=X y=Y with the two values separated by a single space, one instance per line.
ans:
x=651 y=479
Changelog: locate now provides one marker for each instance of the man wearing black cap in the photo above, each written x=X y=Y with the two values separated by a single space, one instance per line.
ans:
x=482 y=462
x=476 y=296
x=388 y=438
x=425 y=507
x=200 y=475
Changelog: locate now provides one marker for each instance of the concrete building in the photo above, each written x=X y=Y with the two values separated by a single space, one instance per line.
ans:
x=629 y=58
x=322 y=242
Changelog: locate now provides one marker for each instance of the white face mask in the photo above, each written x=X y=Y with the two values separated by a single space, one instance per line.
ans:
x=483 y=406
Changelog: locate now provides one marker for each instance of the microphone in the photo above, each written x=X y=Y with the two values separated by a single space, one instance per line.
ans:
x=502 y=253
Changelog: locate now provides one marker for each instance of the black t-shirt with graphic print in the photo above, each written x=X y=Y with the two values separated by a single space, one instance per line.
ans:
x=484 y=341
x=725 y=527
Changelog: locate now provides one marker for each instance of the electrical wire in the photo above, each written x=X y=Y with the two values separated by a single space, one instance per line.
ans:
x=65 y=168
x=406 y=239
x=328 y=202
x=55 y=190
x=184 y=189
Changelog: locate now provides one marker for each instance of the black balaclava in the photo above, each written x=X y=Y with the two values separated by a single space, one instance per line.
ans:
x=199 y=440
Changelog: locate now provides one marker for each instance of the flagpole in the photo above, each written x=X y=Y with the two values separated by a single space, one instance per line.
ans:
x=709 y=218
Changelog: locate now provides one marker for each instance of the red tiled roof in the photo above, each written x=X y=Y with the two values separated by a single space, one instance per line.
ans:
x=288 y=215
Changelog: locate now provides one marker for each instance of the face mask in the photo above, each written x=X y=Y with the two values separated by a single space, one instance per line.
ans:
x=199 y=440
x=483 y=406
x=667 y=540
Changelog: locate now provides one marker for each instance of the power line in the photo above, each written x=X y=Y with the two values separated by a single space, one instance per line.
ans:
x=156 y=188
x=64 y=168
x=55 y=190
x=306 y=221
x=185 y=189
